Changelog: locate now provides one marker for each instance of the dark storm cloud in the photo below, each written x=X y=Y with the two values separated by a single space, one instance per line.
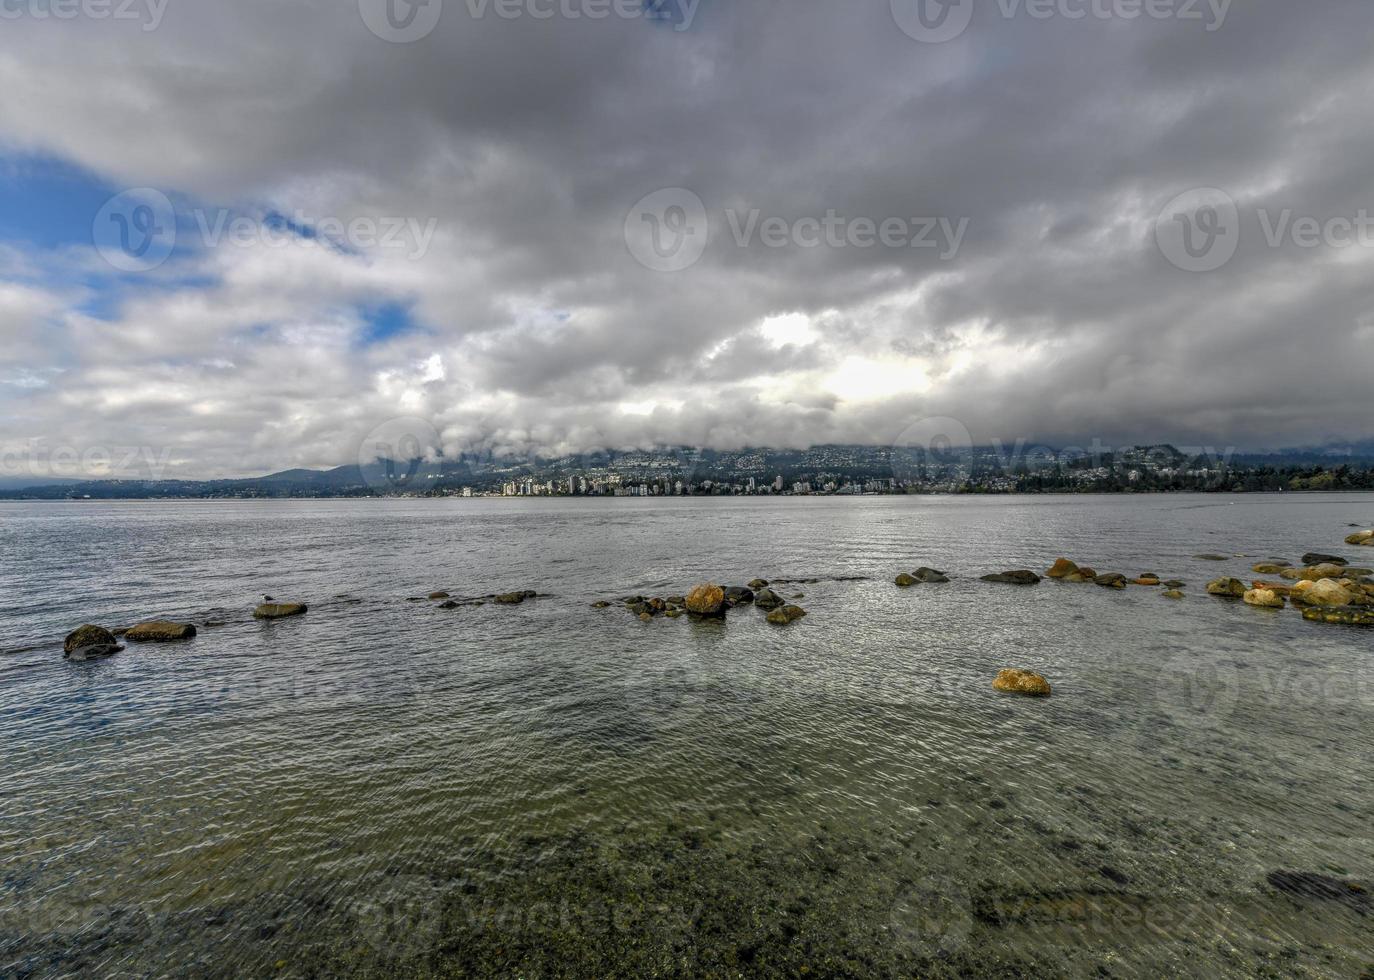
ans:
x=1054 y=143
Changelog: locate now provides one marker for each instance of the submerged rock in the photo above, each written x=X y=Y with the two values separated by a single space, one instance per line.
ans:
x=1173 y=594
x=1310 y=884
x=1111 y=580
x=1226 y=588
x=1269 y=568
x=758 y=583
x=434 y=596
x=1062 y=568
x=514 y=598
x=786 y=615
x=1340 y=615
x=1025 y=682
x=1019 y=577
x=930 y=576
x=739 y=596
x=160 y=631
x=906 y=581
x=279 y=610
x=767 y=599
x=90 y=643
x=1265 y=598
x=1174 y=583
x=603 y=604
x=707 y=600
x=1211 y=557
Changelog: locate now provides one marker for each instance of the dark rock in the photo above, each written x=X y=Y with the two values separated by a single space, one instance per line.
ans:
x=767 y=599
x=738 y=596
x=603 y=604
x=510 y=598
x=930 y=576
x=160 y=631
x=1174 y=583
x=1021 y=577
x=1211 y=557
x=1317 y=558
x=758 y=583
x=1226 y=588
x=437 y=595
x=906 y=581
x=1111 y=580
x=88 y=636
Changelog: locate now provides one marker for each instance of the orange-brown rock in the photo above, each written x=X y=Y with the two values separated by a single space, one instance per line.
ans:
x=1022 y=682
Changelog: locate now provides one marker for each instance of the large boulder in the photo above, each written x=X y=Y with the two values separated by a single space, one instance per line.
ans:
x=160 y=631
x=1062 y=568
x=1340 y=615
x=767 y=599
x=1265 y=599
x=1327 y=592
x=280 y=610
x=1227 y=588
x=1019 y=577
x=89 y=643
x=786 y=615
x=1022 y=682
x=707 y=600
x=1111 y=580
x=1365 y=538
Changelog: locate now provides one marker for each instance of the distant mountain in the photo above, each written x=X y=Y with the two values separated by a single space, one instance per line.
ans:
x=25 y=482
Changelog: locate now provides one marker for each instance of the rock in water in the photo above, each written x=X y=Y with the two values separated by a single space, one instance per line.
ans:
x=786 y=615
x=1173 y=594
x=1340 y=615
x=1226 y=588
x=1365 y=538
x=758 y=583
x=737 y=596
x=1019 y=577
x=767 y=599
x=1147 y=579
x=1327 y=592
x=160 y=631
x=1063 y=568
x=707 y=601
x=1111 y=580
x=1264 y=598
x=1317 y=558
x=89 y=643
x=1022 y=682
x=434 y=596
x=1269 y=568
x=930 y=576
x=906 y=581
x=1211 y=558
x=279 y=610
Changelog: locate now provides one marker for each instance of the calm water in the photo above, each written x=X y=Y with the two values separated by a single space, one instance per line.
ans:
x=382 y=786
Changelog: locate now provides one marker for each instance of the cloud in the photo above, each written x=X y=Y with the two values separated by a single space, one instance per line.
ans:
x=523 y=144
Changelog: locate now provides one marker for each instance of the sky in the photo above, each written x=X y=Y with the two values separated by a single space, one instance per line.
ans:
x=239 y=238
